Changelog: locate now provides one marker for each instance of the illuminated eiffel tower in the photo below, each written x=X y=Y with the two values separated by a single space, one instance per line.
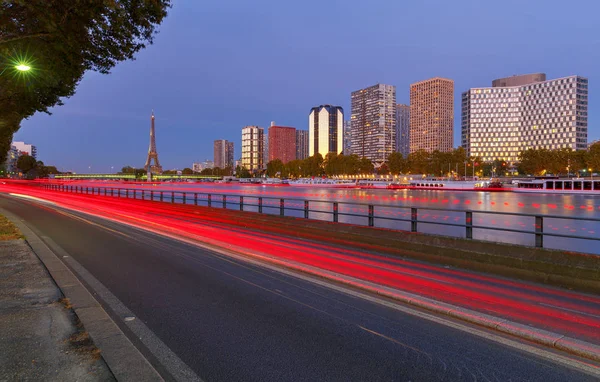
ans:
x=152 y=153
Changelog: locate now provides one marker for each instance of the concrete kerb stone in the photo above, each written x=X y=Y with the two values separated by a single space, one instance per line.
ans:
x=123 y=359
x=581 y=348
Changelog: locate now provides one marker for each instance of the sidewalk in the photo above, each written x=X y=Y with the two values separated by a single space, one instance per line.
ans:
x=40 y=338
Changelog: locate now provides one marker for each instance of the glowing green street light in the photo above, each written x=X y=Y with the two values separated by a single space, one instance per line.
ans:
x=23 y=67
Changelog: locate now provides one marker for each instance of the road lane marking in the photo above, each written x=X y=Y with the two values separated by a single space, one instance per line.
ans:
x=393 y=340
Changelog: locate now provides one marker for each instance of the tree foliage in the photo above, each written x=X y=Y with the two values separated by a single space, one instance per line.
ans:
x=26 y=163
x=61 y=40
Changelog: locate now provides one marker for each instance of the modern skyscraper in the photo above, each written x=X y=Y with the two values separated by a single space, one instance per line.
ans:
x=347 y=146
x=223 y=153
x=282 y=143
x=23 y=147
x=325 y=130
x=432 y=115
x=403 y=129
x=373 y=122
x=253 y=142
x=302 y=144
x=152 y=153
x=502 y=121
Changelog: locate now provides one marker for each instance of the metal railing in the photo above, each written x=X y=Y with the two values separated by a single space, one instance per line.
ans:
x=292 y=204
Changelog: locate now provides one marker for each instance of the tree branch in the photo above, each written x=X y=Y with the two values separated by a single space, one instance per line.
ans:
x=17 y=38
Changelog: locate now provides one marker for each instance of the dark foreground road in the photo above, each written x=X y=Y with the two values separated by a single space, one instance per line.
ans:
x=232 y=321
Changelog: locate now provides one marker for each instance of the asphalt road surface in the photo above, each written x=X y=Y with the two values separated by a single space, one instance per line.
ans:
x=229 y=320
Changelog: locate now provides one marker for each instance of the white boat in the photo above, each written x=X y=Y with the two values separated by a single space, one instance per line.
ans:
x=374 y=183
x=323 y=182
x=559 y=186
x=271 y=181
x=452 y=184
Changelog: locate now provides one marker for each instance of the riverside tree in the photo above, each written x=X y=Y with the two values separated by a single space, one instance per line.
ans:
x=56 y=42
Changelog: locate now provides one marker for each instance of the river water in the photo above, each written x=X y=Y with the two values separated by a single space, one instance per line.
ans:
x=494 y=215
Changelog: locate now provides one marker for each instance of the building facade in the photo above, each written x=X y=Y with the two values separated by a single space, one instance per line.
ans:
x=347 y=146
x=23 y=147
x=282 y=143
x=325 y=130
x=223 y=153
x=302 y=144
x=403 y=129
x=432 y=115
x=10 y=166
x=501 y=122
x=253 y=143
x=373 y=122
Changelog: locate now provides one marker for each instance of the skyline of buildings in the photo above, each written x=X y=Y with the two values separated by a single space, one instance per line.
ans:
x=282 y=143
x=223 y=153
x=23 y=147
x=325 y=130
x=522 y=112
x=373 y=122
x=432 y=115
x=403 y=129
x=302 y=139
x=253 y=142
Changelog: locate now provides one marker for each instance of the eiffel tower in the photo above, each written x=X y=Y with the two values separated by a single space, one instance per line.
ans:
x=152 y=154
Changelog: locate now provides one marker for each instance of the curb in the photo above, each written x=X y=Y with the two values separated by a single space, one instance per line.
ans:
x=123 y=359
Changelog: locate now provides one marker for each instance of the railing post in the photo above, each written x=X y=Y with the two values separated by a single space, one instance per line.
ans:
x=281 y=207
x=413 y=220
x=172 y=196
x=143 y=195
x=112 y=192
x=224 y=197
x=209 y=200
x=539 y=231
x=195 y=198
x=127 y=193
x=371 y=215
x=87 y=190
x=152 y=195
x=105 y=192
x=335 y=212
x=306 y=209
x=184 y=197
x=260 y=204
x=161 y=196
x=241 y=203
x=469 y=224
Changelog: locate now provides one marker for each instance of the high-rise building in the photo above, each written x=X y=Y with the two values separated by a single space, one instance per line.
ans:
x=373 y=122
x=223 y=153
x=23 y=147
x=253 y=143
x=502 y=121
x=282 y=143
x=325 y=130
x=403 y=129
x=11 y=160
x=432 y=115
x=301 y=144
x=347 y=146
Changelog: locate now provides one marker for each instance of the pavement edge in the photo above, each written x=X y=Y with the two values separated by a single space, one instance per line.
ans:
x=124 y=360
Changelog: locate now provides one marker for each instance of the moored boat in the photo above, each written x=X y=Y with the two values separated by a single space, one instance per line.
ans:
x=446 y=184
x=323 y=182
x=559 y=186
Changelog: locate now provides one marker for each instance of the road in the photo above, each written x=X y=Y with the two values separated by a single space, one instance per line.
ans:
x=232 y=321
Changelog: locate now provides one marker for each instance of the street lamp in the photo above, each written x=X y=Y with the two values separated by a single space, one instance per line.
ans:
x=21 y=67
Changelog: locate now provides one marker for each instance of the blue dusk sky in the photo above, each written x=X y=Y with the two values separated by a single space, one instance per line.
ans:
x=218 y=65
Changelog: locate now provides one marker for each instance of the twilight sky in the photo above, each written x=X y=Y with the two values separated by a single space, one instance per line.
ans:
x=218 y=65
